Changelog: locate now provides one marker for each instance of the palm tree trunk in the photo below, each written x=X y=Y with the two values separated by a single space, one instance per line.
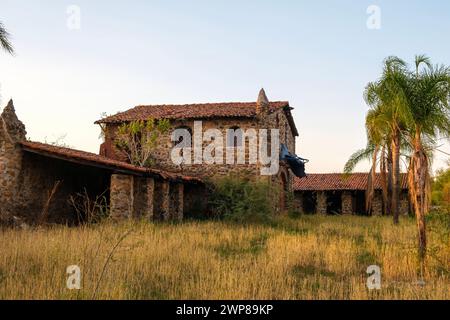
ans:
x=395 y=204
x=389 y=181
x=419 y=187
x=384 y=183
x=371 y=182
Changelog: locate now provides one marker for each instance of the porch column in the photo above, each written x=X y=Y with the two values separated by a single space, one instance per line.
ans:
x=347 y=203
x=149 y=210
x=179 y=194
x=377 y=205
x=165 y=200
x=121 y=196
x=321 y=205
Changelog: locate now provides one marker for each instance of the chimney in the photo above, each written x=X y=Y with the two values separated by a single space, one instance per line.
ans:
x=262 y=104
x=10 y=125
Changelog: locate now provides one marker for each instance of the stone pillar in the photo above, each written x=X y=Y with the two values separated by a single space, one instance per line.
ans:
x=321 y=204
x=121 y=196
x=347 y=203
x=165 y=200
x=377 y=206
x=178 y=203
x=149 y=212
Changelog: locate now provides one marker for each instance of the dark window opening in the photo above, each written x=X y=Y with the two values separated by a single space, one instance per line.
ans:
x=359 y=203
x=334 y=202
x=309 y=202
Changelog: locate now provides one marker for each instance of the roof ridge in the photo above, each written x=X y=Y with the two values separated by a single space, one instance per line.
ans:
x=208 y=103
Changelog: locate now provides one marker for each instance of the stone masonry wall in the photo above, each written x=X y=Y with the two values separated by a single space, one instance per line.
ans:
x=121 y=195
x=162 y=154
x=12 y=131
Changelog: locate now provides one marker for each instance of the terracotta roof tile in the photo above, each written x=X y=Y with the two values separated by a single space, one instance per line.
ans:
x=191 y=111
x=337 y=181
x=95 y=159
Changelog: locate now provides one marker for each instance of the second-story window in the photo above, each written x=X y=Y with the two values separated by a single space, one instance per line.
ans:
x=182 y=138
x=234 y=137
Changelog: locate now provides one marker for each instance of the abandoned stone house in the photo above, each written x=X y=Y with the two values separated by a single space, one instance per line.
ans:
x=262 y=114
x=334 y=193
x=38 y=179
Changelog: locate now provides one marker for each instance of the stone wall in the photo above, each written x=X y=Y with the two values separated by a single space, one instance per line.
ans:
x=162 y=154
x=121 y=195
x=12 y=131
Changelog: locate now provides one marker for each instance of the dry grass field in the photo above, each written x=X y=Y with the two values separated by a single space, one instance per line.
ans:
x=311 y=257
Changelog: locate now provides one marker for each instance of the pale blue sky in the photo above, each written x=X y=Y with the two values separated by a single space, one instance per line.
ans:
x=319 y=55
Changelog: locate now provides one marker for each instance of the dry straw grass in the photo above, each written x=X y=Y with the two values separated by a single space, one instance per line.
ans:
x=308 y=258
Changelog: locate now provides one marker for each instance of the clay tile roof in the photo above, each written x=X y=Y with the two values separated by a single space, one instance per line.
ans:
x=337 y=181
x=93 y=159
x=191 y=111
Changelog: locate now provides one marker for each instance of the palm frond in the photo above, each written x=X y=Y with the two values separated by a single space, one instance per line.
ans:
x=5 y=42
x=357 y=157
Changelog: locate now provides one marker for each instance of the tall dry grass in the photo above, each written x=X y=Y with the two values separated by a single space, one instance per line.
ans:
x=311 y=257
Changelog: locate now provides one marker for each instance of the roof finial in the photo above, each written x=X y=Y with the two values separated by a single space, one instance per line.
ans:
x=262 y=98
x=15 y=129
x=262 y=104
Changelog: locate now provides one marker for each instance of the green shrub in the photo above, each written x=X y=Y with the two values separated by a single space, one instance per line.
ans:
x=239 y=200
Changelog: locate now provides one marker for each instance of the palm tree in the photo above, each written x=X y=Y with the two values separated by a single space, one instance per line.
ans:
x=429 y=93
x=385 y=123
x=5 y=43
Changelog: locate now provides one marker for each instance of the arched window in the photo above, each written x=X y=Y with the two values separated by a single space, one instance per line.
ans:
x=234 y=137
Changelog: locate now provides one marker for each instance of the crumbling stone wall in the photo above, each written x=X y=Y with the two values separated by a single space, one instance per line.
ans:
x=12 y=131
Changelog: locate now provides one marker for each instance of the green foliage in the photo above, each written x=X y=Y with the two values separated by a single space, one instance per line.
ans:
x=441 y=189
x=137 y=139
x=235 y=199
